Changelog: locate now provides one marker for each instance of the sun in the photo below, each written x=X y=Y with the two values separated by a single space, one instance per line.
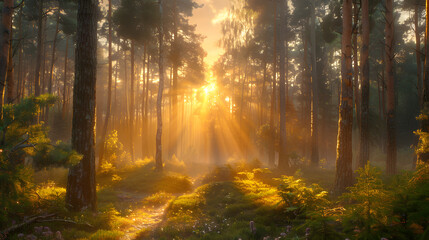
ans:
x=210 y=89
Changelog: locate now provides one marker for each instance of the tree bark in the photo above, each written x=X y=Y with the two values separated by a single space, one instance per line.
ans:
x=425 y=122
x=37 y=89
x=43 y=59
x=175 y=88
x=356 y=61
x=364 y=128
x=51 y=73
x=115 y=107
x=132 y=109
x=81 y=187
x=109 y=90
x=272 y=149
x=6 y=31
x=391 y=97
x=19 y=93
x=306 y=96
x=263 y=92
x=65 y=78
x=54 y=46
x=419 y=69
x=158 y=156
x=283 y=158
x=9 y=76
x=315 y=94
x=143 y=102
x=418 y=54
x=343 y=174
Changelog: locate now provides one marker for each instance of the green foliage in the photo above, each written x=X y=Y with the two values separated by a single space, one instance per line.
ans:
x=300 y=199
x=369 y=205
x=15 y=189
x=136 y=20
x=68 y=17
x=310 y=208
x=50 y=197
x=113 y=149
x=25 y=143
x=55 y=155
x=410 y=203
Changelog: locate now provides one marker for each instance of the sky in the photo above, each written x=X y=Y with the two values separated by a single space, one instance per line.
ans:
x=207 y=20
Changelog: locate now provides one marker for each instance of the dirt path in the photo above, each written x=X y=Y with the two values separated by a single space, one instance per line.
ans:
x=142 y=217
x=145 y=218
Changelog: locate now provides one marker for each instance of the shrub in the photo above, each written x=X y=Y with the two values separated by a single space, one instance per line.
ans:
x=300 y=199
x=369 y=208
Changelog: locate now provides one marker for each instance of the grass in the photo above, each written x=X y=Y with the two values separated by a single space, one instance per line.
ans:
x=157 y=199
x=222 y=210
x=123 y=197
x=144 y=179
x=228 y=199
x=106 y=235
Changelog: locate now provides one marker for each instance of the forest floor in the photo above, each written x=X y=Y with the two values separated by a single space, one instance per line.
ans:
x=209 y=203
x=143 y=216
x=217 y=203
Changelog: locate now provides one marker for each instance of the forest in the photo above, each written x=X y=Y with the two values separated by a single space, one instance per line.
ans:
x=214 y=119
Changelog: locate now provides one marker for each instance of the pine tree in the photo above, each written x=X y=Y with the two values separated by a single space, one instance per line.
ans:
x=343 y=174
x=81 y=187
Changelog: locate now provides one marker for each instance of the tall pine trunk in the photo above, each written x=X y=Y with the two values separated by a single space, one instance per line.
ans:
x=132 y=109
x=9 y=76
x=19 y=93
x=425 y=122
x=37 y=89
x=5 y=32
x=81 y=187
x=51 y=73
x=109 y=90
x=143 y=98
x=158 y=155
x=146 y=107
x=283 y=159
x=263 y=91
x=343 y=174
x=54 y=46
x=391 y=97
x=65 y=78
x=364 y=128
x=315 y=94
x=174 y=119
x=356 y=61
x=272 y=149
x=418 y=54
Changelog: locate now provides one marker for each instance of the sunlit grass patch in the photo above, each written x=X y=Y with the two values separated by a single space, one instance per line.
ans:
x=49 y=196
x=256 y=190
x=157 y=199
x=50 y=190
x=221 y=210
x=106 y=235
x=144 y=179
x=186 y=209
